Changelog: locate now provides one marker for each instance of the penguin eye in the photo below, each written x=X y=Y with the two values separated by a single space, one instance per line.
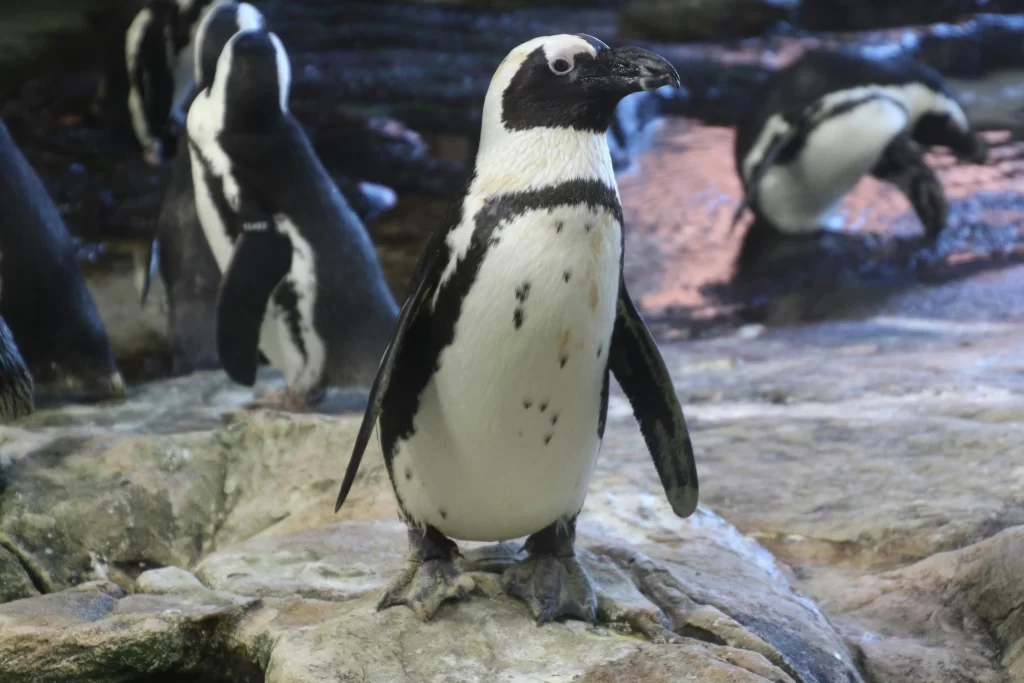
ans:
x=560 y=67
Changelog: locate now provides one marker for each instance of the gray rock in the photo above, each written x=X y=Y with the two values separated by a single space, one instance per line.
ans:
x=953 y=616
x=15 y=581
x=839 y=448
x=168 y=580
x=79 y=637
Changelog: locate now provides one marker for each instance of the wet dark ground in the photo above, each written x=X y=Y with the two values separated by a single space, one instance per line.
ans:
x=370 y=64
x=679 y=201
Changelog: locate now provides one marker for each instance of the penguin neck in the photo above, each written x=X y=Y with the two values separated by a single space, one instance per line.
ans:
x=512 y=161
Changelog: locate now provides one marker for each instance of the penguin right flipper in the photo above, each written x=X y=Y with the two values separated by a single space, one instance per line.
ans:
x=423 y=284
x=902 y=164
x=637 y=364
x=260 y=260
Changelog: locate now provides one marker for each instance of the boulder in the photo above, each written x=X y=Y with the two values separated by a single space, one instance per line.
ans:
x=78 y=636
x=952 y=616
x=271 y=603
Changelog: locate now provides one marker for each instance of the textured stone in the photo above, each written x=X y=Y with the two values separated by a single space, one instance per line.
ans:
x=955 y=616
x=879 y=459
x=15 y=582
x=109 y=491
x=168 y=580
x=75 y=636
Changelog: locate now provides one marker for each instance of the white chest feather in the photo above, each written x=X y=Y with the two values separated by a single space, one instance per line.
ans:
x=799 y=196
x=506 y=433
x=205 y=122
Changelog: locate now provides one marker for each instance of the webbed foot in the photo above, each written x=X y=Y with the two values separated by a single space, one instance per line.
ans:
x=430 y=577
x=285 y=399
x=551 y=581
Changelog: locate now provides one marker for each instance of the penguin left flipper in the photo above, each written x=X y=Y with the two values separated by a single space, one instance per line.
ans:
x=637 y=364
x=422 y=286
x=260 y=260
x=902 y=164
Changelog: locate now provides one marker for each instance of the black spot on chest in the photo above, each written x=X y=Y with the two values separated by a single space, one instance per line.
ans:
x=433 y=328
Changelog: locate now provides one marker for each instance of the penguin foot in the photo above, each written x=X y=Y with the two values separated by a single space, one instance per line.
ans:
x=430 y=577
x=552 y=587
x=286 y=399
x=551 y=581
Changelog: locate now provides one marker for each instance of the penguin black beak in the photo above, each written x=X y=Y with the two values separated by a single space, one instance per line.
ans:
x=632 y=69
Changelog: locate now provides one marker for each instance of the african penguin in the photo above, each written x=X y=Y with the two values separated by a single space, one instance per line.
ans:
x=16 y=398
x=493 y=393
x=43 y=296
x=158 y=58
x=189 y=271
x=301 y=281
x=814 y=128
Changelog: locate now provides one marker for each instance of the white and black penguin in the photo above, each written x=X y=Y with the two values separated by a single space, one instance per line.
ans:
x=816 y=127
x=158 y=60
x=493 y=394
x=301 y=280
x=43 y=296
x=189 y=271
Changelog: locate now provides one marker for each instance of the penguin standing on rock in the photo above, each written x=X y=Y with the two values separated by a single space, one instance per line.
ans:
x=493 y=393
x=189 y=271
x=816 y=127
x=301 y=281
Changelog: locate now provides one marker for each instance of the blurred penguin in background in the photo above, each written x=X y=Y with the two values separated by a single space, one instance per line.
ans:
x=816 y=127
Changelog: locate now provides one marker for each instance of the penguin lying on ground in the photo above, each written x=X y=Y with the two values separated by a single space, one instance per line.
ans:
x=158 y=56
x=301 y=281
x=493 y=393
x=43 y=296
x=816 y=127
x=16 y=399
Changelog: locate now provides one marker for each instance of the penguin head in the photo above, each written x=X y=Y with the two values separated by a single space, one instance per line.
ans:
x=252 y=79
x=944 y=123
x=939 y=117
x=570 y=81
x=215 y=30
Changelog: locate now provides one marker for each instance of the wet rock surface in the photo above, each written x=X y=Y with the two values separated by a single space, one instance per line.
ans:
x=871 y=470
